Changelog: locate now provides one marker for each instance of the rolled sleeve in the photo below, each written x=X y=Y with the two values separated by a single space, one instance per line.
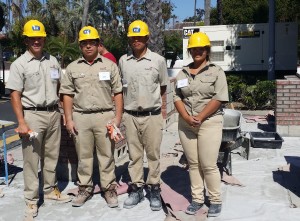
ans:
x=67 y=86
x=163 y=73
x=116 y=79
x=15 y=79
x=221 y=88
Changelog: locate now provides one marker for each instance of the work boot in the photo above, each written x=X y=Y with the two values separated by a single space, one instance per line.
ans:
x=136 y=195
x=155 y=199
x=111 y=196
x=193 y=208
x=57 y=196
x=214 y=210
x=31 y=211
x=81 y=198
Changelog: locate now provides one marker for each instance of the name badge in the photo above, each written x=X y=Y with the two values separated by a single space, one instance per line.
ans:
x=54 y=73
x=104 y=76
x=182 y=83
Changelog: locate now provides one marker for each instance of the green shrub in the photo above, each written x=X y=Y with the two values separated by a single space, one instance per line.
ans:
x=259 y=96
x=235 y=87
x=253 y=95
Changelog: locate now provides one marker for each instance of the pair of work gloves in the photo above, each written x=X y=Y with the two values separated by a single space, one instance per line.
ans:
x=113 y=130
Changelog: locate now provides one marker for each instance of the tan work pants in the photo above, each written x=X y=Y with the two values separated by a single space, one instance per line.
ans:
x=201 y=146
x=43 y=149
x=144 y=133
x=92 y=132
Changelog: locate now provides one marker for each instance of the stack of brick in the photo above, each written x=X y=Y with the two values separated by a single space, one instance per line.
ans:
x=287 y=111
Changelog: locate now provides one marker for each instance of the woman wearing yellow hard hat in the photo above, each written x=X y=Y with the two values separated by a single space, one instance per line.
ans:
x=200 y=90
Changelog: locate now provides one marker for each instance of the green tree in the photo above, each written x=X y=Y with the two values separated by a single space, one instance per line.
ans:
x=2 y=16
x=34 y=7
x=64 y=51
x=173 y=41
x=253 y=11
x=287 y=10
x=167 y=9
x=199 y=16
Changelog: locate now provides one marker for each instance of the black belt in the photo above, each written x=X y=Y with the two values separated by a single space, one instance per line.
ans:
x=143 y=113
x=48 y=108
x=93 y=111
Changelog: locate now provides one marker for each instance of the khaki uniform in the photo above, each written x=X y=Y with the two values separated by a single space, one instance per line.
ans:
x=142 y=79
x=92 y=86
x=38 y=80
x=201 y=144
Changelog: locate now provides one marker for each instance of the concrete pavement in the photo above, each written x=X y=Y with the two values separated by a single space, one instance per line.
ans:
x=268 y=194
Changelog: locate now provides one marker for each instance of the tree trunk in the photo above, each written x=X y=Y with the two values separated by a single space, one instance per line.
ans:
x=124 y=14
x=207 y=12
x=220 y=12
x=154 y=21
x=85 y=13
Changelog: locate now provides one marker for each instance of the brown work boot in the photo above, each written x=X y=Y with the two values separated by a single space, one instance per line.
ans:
x=111 y=196
x=56 y=195
x=81 y=198
x=31 y=211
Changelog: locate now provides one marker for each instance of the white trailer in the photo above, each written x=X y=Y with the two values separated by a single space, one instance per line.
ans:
x=244 y=47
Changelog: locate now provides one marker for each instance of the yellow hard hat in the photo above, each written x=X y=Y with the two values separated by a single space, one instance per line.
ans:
x=138 y=28
x=34 y=28
x=198 y=39
x=87 y=33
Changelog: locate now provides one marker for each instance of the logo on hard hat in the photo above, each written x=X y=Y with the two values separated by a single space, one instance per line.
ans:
x=136 y=30
x=35 y=28
x=87 y=31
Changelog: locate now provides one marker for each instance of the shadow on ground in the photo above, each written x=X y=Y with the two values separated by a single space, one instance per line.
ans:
x=290 y=180
x=177 y=178
x=12 y=171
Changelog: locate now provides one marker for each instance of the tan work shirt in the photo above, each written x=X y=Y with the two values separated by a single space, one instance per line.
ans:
x=142 y=79
x=37 y=80
x=210 y=83
x=91 y=84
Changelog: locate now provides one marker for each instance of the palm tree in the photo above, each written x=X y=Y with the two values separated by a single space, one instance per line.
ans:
x=34 y=7
x=124 y=14
x=154 y=20
x=85 y=13
x=220 y=12
x=65 y=51
x=207 y=9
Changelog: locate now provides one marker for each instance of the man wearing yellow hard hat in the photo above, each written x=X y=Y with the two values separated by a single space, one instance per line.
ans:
x=145 y=79
x=34 y=80
x=87 y=88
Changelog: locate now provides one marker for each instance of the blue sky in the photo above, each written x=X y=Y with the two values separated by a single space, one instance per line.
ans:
x=185 y=8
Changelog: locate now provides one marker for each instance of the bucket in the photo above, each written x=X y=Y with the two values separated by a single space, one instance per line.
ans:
x=231 y=118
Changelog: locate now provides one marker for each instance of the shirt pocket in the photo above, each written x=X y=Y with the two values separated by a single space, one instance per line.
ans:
x=79 y=80
x=32 y=79
x=208 y=84
x=149 y=80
